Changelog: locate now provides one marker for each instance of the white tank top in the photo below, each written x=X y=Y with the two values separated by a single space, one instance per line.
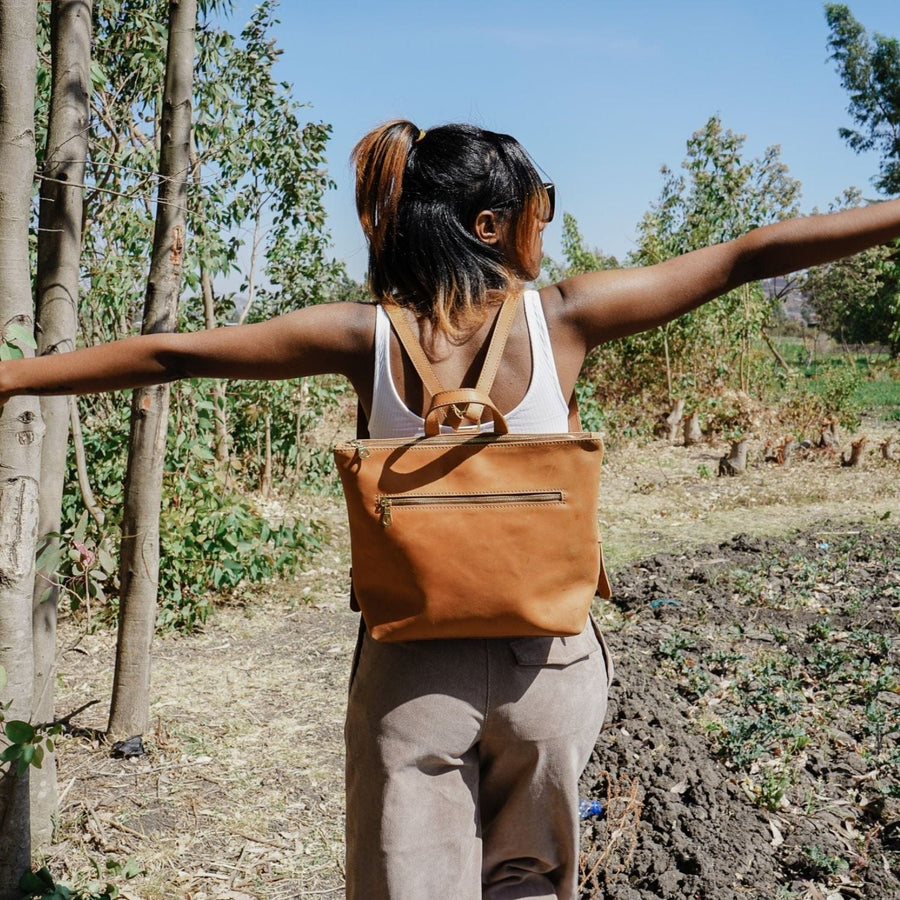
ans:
x=543 y=409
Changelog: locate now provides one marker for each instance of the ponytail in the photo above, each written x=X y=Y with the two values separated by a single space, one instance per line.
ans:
x=380 y=159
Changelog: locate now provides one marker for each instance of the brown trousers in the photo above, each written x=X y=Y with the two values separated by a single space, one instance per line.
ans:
x=463 y=760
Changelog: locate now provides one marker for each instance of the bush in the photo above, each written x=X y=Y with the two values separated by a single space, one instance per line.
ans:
x=212 y=538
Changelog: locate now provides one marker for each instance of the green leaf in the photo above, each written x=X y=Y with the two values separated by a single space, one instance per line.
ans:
x=49 y=557
x=21 y=334
x=13 y=751
x=81 y=528
x=19 y=732
x=107 y=562
x=132 y=868
x=36 y=881
x=10 y=351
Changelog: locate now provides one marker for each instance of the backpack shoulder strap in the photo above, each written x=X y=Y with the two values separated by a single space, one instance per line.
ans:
x=470 y=412
x=413 y=349
x=502 y=328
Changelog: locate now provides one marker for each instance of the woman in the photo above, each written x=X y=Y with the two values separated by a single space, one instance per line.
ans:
x=463 y=756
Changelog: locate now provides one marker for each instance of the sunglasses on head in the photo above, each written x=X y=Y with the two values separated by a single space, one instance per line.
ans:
x=550 y=190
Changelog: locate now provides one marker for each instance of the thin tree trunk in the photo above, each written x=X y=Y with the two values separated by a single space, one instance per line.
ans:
x=218 y=387
x=21 y=427
x=780 y=359
x=84 y=485
x=58 y=261
x=209 y=316
x=668 y=363
x=139 y=563
x=265 y=477
x=251 y=277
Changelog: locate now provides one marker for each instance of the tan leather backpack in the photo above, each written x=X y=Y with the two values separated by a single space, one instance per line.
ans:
x=472 y=534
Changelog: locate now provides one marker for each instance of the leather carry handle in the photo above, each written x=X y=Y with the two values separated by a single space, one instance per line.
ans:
x=445 y=399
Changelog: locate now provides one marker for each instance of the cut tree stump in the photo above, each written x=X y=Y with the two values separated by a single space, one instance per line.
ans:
x=856 y=453
x=830 y=438
x=889 y=448
x=781 y=452
x=692 y=433
x=668 y=424
x=735 y=462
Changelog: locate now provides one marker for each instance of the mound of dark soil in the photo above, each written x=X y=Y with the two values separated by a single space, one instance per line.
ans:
x=753 y=743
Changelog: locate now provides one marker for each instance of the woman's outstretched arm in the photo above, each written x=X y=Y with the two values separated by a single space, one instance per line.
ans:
x=311 y=341
x=600 y=306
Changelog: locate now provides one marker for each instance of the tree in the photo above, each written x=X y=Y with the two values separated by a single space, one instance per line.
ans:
x=139 y=563
x=859 y=298
x=58 y=269
x=718 y=196
x=577 y=258
x=20 y=421
x=869 y=68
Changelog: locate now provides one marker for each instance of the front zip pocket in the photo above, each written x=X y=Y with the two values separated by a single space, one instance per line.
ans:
x=386 y=504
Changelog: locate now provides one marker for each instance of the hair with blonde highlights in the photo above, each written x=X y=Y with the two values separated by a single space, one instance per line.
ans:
x=418 y=194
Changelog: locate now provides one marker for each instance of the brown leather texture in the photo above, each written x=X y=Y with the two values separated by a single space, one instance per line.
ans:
x=472 y=534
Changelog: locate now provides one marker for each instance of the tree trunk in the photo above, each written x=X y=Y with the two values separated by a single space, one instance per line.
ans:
x=21 y=427
x=857 y=448
x=209 y=316
x=217 y=390
x=58 y=261
x=265 y=475
x=735 y=462
x=84 y=485
x=665 y=332
x=692 y=433
x=139 y=563
x=673 y=420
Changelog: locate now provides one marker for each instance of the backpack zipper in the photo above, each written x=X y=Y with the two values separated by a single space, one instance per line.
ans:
x=387 y=503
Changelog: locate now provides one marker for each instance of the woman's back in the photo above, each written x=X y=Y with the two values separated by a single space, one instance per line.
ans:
x=527 y=387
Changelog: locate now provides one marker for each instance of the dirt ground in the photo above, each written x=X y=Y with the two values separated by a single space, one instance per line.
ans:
x=751 y=748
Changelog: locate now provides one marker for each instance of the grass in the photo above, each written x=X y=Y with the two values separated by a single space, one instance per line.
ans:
x=878 y=377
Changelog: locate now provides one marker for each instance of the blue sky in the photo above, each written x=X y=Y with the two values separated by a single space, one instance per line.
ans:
x=600 y=93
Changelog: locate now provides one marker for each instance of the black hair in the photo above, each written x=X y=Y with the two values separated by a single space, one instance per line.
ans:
x=418 y=194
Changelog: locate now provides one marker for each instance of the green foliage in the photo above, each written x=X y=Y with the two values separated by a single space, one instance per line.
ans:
x=857 y=299
x=718 y=196
x=576 y=255
x=838 y=390
x=15 y=335
x=819 y=864
x=26 y=744
x=41 y=884
x=869 y=68
x=260 y=171
x=212 y=539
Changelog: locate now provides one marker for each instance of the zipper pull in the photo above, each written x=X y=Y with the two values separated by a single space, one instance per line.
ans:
x=387 y=517
x=361 y=449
